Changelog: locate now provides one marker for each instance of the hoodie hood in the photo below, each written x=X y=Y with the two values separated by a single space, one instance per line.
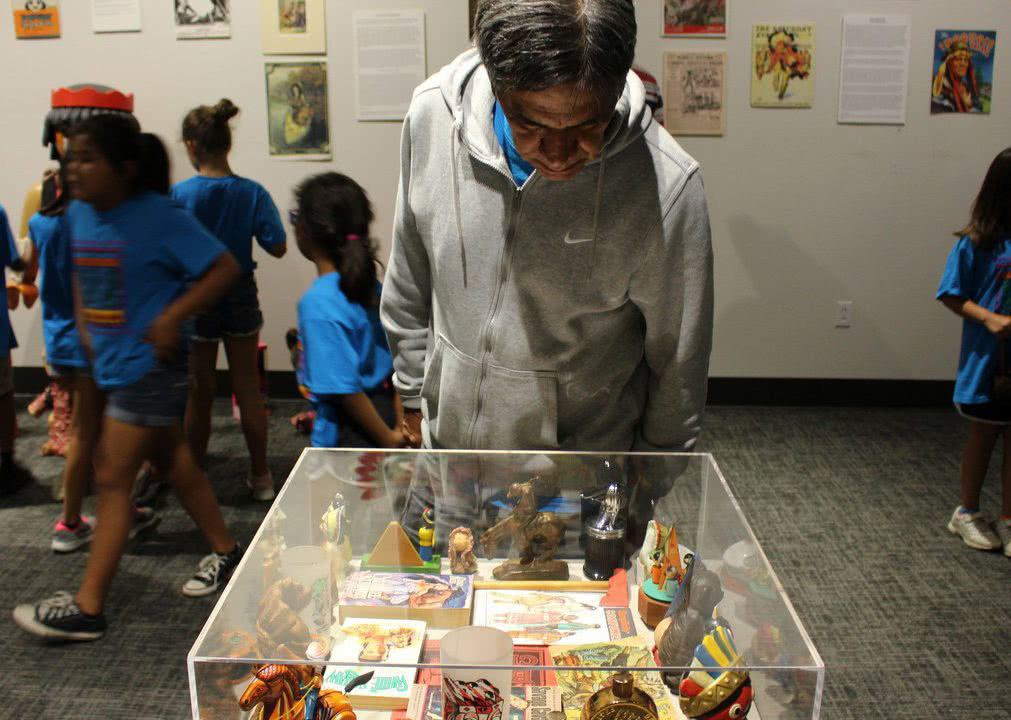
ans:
x=467 y=92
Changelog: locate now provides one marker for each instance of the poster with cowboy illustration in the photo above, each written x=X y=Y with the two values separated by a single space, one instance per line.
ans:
x=962 y=80
x=782 y=73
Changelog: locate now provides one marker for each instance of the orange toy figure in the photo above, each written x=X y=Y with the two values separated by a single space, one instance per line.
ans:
x=292 y=692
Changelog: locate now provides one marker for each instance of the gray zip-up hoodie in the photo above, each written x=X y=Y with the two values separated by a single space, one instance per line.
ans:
x=572 y=315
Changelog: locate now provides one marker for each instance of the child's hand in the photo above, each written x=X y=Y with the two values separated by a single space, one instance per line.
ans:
x=410 y=426
x=999 y=325
x=396 y=439
x=164 y=335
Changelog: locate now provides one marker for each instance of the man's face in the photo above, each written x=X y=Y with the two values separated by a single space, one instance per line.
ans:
x=960 y=63
x=557 y=130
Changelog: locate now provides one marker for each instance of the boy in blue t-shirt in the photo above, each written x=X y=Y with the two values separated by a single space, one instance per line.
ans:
x=12 y=475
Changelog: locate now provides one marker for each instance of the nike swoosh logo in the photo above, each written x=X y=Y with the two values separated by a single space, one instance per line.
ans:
x=575 y=241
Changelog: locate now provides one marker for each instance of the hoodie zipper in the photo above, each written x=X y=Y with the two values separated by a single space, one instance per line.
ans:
x=485 y=340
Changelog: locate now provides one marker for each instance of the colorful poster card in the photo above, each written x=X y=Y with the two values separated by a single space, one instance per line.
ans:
x=297 y=120
x=963 y=71
x=36 y=18
x=534 y=617
x=694 y=84
x=694 y=18
x=198 y=19
x=782 y=73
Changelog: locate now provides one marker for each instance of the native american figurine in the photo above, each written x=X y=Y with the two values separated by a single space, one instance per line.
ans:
x=535 y=538
x=461 y=552
x=293 y=692
x=709 y=691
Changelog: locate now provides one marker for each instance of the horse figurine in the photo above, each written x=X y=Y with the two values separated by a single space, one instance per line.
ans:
x=535 y=538
x=292 y=692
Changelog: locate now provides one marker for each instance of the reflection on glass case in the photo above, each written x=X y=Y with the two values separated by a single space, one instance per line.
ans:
x=626 y=586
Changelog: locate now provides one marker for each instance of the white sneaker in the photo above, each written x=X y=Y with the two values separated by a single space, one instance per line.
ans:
x=1004 y=531
x=261 y=487
x=974 y=530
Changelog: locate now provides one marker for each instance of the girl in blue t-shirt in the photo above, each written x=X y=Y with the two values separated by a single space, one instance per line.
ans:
x=976 y=285
x=235 y=210
x=347 y=362
x=142 y=266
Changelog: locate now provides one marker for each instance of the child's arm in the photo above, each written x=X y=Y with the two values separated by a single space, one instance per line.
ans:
x=164 y=331
x=363 y=412
x=999 y=325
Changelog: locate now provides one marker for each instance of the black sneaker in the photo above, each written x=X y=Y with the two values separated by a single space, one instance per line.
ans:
x=213 y=572
x=13 y=477
x=59 y=618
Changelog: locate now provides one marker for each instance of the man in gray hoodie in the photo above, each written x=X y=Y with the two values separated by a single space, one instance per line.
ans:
x=550 y=284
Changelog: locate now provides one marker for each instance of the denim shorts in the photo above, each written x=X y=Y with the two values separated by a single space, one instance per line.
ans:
x=990 y=413
x=156 y=400
x=237 y=314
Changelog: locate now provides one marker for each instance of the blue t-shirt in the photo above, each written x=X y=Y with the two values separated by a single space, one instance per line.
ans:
x=8 y=254
x=983 y=276
x=131 y=263
x=56 y=290
x=344 y=350
x=235 y=210
x=519 y=167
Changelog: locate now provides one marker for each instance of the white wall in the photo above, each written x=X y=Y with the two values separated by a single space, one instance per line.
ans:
x=805 y=212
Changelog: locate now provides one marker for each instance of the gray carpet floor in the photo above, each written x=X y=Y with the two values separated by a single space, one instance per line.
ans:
x=849 y=504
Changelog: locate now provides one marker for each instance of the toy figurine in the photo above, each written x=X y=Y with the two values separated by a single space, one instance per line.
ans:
x=394 y=552
x=461 y=552
x=280 y=632
x=707 y=693
x=622 y=700
x=605 y=539
x=292 y=692
x=426 y=535
x=687 y=619
x=535 y=538
x=666 y=573
x=336 y=539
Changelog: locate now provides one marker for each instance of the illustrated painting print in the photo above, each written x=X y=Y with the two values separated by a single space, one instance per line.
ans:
x=298 y=123
x=698 y=18
x=782 y=73
x=291 y=16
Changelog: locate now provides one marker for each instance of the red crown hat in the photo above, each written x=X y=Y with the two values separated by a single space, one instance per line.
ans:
x=92 y=96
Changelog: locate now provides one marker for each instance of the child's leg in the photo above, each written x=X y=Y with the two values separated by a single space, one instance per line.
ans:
x=194 y=489
x=121 y=450
x=85 y=422
x=975 y=459
x=1005 y=476
x=243 y=365
x=203 y=362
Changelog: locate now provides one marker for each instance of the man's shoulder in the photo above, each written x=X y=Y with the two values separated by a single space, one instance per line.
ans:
x=668 y=151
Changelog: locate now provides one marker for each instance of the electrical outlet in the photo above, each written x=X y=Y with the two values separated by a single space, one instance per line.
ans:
x=843 y=313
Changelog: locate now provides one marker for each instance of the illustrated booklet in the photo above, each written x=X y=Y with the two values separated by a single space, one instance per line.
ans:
x=530 y=665
x=534 y=617
x=442 y=601
x=375 y=645
x=578 y=685
x=530 y=702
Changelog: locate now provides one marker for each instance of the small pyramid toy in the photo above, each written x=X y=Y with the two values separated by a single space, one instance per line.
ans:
x=394 y=552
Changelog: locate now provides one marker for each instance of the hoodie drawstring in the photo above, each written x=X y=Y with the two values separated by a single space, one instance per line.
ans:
x=453 y=139
x=596 y=212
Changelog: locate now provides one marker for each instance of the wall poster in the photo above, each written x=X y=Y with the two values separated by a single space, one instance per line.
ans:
x=694 y=84
x=293 y=27
x=197 y=19
x=782 y=74
x=963 y=71
x=36 y=18
x=694 y=18
x=297 y=122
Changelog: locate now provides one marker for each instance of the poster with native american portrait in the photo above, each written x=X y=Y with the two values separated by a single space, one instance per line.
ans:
x=197 y=19
x=298 y=125
x=694 y=84
x=962 y=80
x=694 y=18
x=782 y=66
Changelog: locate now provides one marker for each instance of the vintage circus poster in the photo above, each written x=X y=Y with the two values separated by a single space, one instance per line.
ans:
x=694 y=84
x=782 y=73
x=962 y=81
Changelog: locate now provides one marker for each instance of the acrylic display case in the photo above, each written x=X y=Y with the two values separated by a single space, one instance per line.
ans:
x=331 y=586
